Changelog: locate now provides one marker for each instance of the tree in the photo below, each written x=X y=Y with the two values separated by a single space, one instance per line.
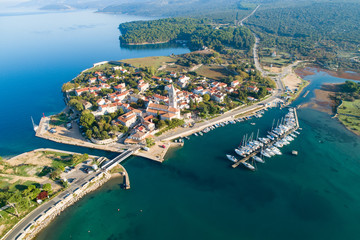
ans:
x=87 y=119
x=206 y=97
x=47 y=187
x=150 y=142
x=76 y=104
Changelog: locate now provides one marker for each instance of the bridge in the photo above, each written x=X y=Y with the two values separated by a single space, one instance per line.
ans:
x=113 y=162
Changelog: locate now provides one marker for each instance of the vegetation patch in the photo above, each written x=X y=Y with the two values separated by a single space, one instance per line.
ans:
x=155 y=62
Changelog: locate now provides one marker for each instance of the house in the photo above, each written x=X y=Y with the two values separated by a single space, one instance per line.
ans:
x=235 y=83
x=120 y=87
x=195 y=98
x=198 y=90
x=183 y=81
x=103 y=79
x=156 y=78
x=104 y=85
x=135 y=97
x=80 y=91
x=118 y=96
x=218 y=97
x=149 y=125
x=229 y=89
x=143 y=86
x=99 y=73
x=160 y=98
x=221 y=86
x=123 y=71
x=92 y=80
x=173 y=74
x=102 y=101
x=167 y=80
x=215 y=84
x=117 y=68
x=253 y=88
x=139 y=136
x=127 y=119
x=251 y=99
x=270 y=90
x=107 y=108
x=87 y=105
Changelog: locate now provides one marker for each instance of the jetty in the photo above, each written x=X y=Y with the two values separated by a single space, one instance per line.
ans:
x=245 y=159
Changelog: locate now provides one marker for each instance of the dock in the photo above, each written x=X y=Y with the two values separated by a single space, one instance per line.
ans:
x=269 y=144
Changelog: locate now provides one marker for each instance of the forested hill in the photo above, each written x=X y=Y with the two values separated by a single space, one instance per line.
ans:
x=322 y=31
x=196 y=32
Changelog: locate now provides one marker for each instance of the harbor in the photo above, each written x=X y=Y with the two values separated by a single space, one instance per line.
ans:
x=269 y=146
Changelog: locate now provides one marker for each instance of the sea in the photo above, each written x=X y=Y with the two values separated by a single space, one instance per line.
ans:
x=194 y=194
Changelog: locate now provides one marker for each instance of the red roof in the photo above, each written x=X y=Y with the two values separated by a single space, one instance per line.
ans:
x=42 y=195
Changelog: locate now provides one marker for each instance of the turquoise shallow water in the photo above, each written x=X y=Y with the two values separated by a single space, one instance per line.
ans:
x=41 y=51
x=195 y=194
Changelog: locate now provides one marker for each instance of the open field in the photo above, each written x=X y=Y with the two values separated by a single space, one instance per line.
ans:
x=349 y=115
x=352 y=123
x=150 y=61
x=213 y=72
x=350 y=108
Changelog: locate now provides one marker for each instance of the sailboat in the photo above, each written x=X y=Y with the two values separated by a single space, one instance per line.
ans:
x=34 y=125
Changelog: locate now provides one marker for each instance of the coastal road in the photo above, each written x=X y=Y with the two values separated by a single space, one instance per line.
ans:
x=223 y=117
x=228 y=115
x=30 y=218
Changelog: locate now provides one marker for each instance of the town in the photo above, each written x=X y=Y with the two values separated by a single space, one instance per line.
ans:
x=121 y=103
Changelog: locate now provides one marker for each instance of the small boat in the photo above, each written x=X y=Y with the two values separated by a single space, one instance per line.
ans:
x=248 y=166
x=265 y=154
x=231 y=158
x=294 y=152
x=293 y=135
x=240 y=153
x=201 y=133
x=196 y=134
x=258 y=159
x=253 y=124
x=296 y=132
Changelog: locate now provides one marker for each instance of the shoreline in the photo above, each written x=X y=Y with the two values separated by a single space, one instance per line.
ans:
x=312 y=69
x=144 y=43
x=40 y=217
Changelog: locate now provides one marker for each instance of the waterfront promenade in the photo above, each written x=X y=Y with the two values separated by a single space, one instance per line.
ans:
x=39 y=217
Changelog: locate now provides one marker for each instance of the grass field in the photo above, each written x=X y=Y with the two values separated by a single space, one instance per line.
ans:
x=349 y=115
x=213 y=72
x=350 y=108
x=150 y=61
x=59 y=119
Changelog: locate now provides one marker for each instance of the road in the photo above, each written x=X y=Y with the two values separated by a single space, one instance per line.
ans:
x=228 y=115
x=242 y=20
x=45 y=206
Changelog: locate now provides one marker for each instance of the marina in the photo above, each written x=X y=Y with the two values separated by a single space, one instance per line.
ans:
x=269 y=146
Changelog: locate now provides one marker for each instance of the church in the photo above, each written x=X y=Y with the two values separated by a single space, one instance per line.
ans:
x=166 y=112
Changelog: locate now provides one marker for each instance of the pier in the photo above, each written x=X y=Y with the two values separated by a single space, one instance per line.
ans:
x=270 y=143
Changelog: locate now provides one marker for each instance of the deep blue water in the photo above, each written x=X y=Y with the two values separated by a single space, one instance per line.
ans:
x=194 y=194
x=41 y=51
